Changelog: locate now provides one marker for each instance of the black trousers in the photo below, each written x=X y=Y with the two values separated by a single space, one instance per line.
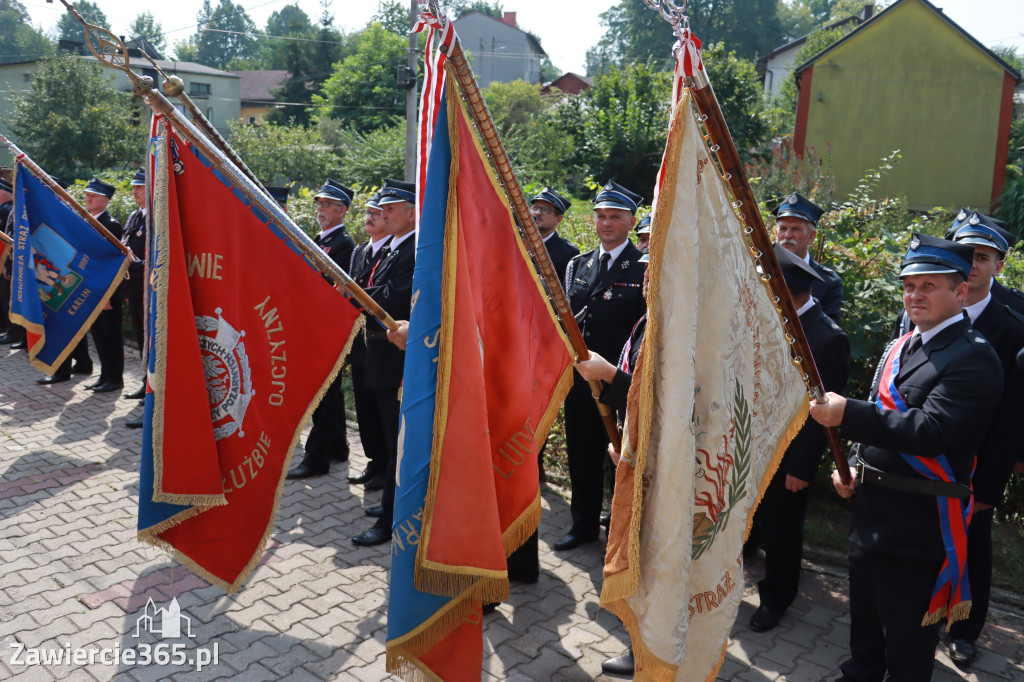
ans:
x=889 y=596
x=524 y=563
x=587 y=448
x=106 y=334
x=390 y=408
x=137 y=314
x=780 y=519
x=371 y=428
x=80 y=356
x=5 y=302
x=327 y=439
x=979 y=572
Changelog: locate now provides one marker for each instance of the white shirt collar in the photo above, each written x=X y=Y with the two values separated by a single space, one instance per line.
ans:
x=395 y=241
x=807 y=257
x=931 y=333
x=614 y=253
x=329 y=230
x=975 y=310
x=805 y=307
x=375 y=245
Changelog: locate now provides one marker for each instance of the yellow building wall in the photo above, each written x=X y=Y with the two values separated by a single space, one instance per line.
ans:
x=909 y=82
x=259 y=113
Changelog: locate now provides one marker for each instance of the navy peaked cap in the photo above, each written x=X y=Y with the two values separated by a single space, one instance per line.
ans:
x=981 y=233
x=335 y=191
x=799 y=207
x=6 y=186
x=798 y=274
x=549 y=195
x=395 y=191
x=929 y=255
x=614 y=195
x=644 y=226
x=97 y=186
x=374 y=201
x=140 y=177
x=279 y=194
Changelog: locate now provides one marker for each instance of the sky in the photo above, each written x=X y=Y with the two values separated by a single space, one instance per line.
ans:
x=566 y=28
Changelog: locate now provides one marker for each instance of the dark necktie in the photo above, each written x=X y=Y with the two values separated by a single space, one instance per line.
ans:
x=912 y=347
x=605 y=259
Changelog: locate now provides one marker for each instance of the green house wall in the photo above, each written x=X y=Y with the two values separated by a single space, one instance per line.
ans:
x=909 y=81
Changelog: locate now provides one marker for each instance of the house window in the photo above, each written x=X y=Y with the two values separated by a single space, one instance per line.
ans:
x=252 y=120
x=199 y=90
x=209 y=114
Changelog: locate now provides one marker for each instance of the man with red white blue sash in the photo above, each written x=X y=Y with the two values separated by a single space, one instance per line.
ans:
x=917 y=438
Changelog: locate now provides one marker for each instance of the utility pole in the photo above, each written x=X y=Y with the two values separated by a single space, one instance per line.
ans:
x=410 y=101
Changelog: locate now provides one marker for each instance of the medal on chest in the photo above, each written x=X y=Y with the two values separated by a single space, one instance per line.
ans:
x=608 y=294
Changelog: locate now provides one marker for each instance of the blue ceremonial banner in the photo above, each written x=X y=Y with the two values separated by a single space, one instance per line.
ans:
x=63 y=271
x=410 y=609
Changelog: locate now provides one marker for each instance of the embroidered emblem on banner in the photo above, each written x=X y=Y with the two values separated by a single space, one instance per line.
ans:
x=228 y=379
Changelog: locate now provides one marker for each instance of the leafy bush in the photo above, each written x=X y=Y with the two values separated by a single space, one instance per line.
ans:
x=284 y=154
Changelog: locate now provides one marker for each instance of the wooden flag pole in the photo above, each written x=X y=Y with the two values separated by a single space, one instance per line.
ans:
x=112 y=52
x=23 y=158
x=507 y=177
x=746 y=205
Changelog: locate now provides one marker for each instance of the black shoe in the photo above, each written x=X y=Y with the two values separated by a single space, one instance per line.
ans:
x=107 y=387
x=340 y=456
x=375 y=512
x=364 y=477
x=20 y=345
x=79 y=368
x=374 y=536
x=134 y=423
x=137 y=395
x=55 y=379
x=7 y=338
x=572 y=541
x=376 y=483
x=490 y=607
x=620 y=665
x=765 y=618
x=962 y=652
x=303 y=471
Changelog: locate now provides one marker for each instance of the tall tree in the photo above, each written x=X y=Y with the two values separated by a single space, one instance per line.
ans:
x=636 y=33
x=393 y=16
x=739 y=92
x=285 y=31
x=69 y=28
x=224 y=34
x=362 y=90
x=307 y=56
x=146 y=26
x=19 y=40
x=74 y=122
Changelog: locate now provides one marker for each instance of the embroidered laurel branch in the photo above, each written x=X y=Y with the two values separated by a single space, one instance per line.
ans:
x=243 y=360
x=738 y=476
x=225 y=430
x=205 y=323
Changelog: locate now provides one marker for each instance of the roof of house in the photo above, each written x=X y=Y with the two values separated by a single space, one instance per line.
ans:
x=258 y=86
x=569 y=75
x=865 y=14
x=532 y=39
x=871 y=22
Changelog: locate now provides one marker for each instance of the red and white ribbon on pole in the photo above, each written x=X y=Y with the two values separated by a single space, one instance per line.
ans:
x=433 y=86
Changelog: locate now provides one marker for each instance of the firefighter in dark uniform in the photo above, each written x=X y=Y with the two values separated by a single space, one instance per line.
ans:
x=1003 y=294
x=278 y=194
x=548 y=208
x=371 y=429
x=132 y=289
x=931 y=401
x=795 y=228
x=327 y=439
x=604 y=287
x=106 y=330
x=643 y=232
x=390 y=285
x=779 y=520
x=1002 y=448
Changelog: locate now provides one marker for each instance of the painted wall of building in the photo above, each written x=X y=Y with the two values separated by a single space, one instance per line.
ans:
x=908 y=81
x=497 y=51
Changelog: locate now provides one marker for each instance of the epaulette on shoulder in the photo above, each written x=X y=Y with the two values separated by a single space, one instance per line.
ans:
x=1018 y=317
x=975 y=336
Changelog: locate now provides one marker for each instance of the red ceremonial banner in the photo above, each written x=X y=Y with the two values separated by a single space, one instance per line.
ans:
x=247 y=334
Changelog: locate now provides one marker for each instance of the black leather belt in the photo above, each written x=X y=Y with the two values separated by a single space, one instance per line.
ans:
x=907 y=484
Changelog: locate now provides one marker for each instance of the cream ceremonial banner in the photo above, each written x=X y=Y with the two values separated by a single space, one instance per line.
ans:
x=714 y=402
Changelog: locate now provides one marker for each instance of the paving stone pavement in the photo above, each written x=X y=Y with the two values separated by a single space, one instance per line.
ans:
x=73 y=575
